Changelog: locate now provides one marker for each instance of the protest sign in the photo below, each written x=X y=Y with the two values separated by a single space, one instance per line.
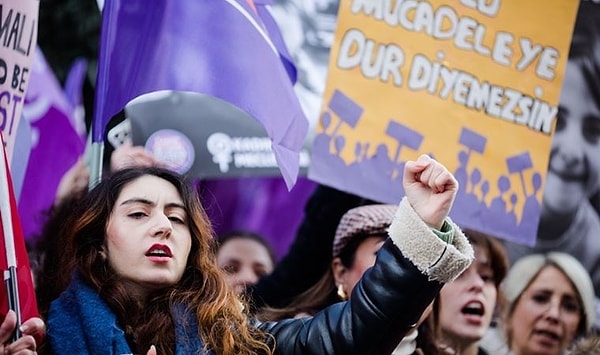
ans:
x=18 y=37
x=473 y=83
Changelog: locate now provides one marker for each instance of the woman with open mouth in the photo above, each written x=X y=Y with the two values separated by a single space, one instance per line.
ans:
x=464 y=310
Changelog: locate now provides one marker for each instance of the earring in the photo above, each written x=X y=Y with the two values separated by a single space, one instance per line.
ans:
x=341 y=293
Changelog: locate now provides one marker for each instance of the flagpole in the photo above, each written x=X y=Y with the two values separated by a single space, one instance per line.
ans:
x=96 y=157
x=10 y=275
x=98 y=127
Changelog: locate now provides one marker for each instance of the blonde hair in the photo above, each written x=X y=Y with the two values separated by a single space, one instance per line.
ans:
x=526 y=269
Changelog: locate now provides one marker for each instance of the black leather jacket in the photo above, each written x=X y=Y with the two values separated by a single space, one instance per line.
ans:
x=410 y=270
x=384 y=305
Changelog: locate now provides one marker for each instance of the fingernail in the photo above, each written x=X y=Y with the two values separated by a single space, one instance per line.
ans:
x=23 y=328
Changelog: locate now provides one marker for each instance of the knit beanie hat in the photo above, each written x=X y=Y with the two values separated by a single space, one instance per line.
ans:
x=362 y=221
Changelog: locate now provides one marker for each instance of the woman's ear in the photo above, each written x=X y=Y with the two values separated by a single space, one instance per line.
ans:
x=103 y=253
x=339 y=272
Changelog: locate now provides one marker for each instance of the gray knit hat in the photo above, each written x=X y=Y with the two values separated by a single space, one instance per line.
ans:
x=362 y=221
x=522 y=273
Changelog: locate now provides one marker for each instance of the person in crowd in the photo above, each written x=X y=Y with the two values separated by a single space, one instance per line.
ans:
x=463 y=312
x=549 y=303
x=292 y=274
x=359 y=236
x=141 y=254
x=313 y=242
x=31 y=333
x=245 y=257
x=568 y=221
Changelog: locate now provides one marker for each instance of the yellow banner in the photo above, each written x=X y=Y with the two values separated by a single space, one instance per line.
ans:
x=474 y=83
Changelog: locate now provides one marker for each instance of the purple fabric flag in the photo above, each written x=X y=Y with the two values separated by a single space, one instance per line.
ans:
x=74 y=83
x=276 y=36
x=215 y=47
x=58 y=143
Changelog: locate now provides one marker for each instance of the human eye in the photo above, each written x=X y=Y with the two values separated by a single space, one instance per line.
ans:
x=177 y=216
x=137 y=214
x=177 y=219
x=260 y=272
x=230 y=268
x=540 y=298
x=571 y=305
x=487 y=277
x=591 y=129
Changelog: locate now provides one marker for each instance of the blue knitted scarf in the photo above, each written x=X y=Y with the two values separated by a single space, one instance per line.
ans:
x=81 y=322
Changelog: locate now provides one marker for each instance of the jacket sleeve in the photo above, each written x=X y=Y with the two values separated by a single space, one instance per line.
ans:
x=410 y=270
x=310 y=254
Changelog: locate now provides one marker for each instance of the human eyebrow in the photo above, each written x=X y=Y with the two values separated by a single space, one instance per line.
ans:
x=138 y=200
x=150 y=203
x=175 y=205
x=541 y=289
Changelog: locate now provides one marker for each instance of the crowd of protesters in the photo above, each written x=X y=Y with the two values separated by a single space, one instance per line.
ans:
x=135 y=266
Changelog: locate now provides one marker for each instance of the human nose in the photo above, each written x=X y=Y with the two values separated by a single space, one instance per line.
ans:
x=163 y=226
x=476 y=282
x=570 y=151
x=553 y=310
x=247 y=277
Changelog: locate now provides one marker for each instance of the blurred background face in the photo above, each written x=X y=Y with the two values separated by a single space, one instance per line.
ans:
x=364 y=258
x=244 y=262
x=467 y=304
x=546 y=316
x=575 y=154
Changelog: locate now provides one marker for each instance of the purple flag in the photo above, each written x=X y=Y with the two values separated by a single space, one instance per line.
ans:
x=59 y=140
x=215 y=47
x=276 y=36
